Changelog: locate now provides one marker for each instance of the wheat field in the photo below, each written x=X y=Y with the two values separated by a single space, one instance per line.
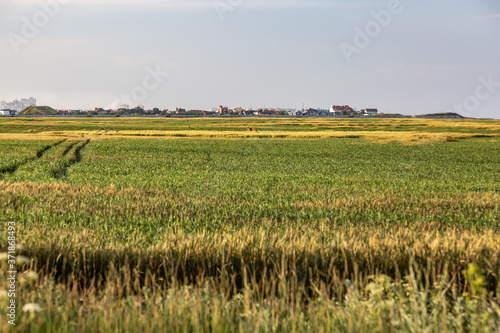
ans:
x=251 y=225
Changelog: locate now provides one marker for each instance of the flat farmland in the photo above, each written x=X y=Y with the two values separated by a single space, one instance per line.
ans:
x=252 y=225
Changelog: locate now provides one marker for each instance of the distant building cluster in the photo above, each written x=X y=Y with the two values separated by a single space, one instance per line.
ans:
x=238 y=111
x=338 y=111
x=17 y=106
x=335 y=110
x=11 y=108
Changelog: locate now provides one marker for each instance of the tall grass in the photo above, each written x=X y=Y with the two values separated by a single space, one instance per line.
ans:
x=128 y=300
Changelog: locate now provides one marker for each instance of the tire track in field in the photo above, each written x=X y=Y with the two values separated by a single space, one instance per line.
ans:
x=79 y=149
x=61 y=170
x=39 y=154
x=68 y=148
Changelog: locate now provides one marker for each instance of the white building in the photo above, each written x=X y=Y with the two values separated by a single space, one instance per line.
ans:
x=18 y=105
x=7 y=112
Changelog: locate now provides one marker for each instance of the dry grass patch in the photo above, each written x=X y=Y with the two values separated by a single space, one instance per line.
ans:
x=409 y=138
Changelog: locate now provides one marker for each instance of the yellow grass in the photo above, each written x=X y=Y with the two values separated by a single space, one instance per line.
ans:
x=414 y=137
x=406 y=131
x=29 y=137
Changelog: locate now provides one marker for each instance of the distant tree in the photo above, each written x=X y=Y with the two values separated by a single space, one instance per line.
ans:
x=138 y=110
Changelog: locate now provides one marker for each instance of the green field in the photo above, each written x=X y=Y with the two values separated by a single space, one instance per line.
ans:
x=252 y=225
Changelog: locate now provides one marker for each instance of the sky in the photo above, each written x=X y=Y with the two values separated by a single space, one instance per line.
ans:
x=400 y=56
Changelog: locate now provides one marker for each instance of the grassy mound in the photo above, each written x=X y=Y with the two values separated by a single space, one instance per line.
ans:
x=39 y=111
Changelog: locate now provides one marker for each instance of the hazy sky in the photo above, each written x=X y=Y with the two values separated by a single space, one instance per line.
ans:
x=402 y=56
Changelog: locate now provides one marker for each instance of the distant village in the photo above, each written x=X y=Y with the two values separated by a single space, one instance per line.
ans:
x=335 y=110
x=23 y=107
